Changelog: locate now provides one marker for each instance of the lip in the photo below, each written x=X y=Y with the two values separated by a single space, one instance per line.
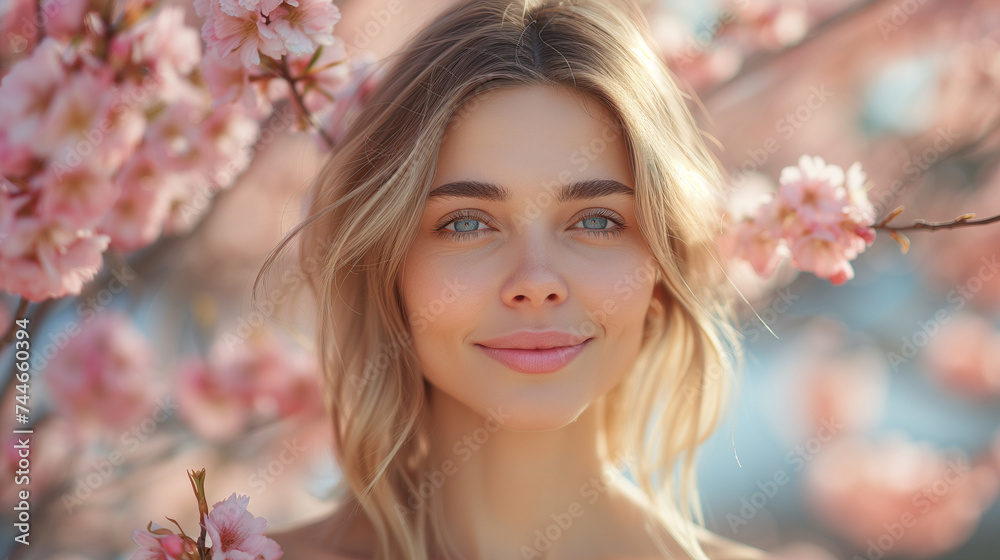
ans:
x=534 y=340
x=533 y=352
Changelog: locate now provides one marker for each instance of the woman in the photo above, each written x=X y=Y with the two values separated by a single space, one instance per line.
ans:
x=519 y=295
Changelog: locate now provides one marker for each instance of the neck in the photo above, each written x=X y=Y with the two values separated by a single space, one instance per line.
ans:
x=508 y=494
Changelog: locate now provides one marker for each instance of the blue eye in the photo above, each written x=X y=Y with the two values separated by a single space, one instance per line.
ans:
x=599 y=221
x=468 y=226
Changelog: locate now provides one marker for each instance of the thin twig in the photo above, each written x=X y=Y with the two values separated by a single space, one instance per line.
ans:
x=948 y=157
x=766 y=58
x=286 y=73
x=961 y=221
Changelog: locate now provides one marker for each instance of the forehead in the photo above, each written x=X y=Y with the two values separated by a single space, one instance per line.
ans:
x=524 y=135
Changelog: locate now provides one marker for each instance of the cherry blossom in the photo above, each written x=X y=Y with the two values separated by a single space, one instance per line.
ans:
x=261 y=378
x=160 y=545
x=75 y=199
x=291 y=390
x=214 y=399
x=237 y=8
x=239 y=32
x=820 y=215
x=965 y=356
x=306 y=25
x=351 y=95
x=236 y=534
x=771 y=24
x=15 y=159
x=238 y=39
x=108 y=361
x=143 y=202
x=896 y=497
x=232 y=84
x=162 y=45
x=29 y=89
x=40 y=259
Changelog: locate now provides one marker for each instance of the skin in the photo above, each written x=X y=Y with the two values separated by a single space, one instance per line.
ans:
x=512 y=450
x=526 y=270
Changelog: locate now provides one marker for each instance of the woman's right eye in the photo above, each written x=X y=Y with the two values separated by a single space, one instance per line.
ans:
x=465 y=227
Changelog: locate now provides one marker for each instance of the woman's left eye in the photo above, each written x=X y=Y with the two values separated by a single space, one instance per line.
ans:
x=467 y=226
x=600 y=221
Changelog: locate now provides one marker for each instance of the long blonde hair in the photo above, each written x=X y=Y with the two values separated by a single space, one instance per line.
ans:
x=364 y=210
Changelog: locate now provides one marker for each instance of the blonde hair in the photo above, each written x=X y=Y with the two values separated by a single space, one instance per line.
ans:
x=365 y=207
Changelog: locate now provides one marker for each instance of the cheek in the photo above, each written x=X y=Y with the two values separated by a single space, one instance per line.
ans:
x=620 y=294
x=441 y=298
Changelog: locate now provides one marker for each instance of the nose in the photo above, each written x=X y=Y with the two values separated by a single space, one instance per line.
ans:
x=535 y=280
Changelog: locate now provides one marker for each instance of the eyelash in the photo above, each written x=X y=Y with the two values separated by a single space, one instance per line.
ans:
x=479 y=217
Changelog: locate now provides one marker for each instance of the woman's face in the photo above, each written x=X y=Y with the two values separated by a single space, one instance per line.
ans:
x=517 y=251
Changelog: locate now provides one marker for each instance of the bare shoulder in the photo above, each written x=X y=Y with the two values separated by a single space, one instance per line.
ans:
x=340 y=535
x=717 y=547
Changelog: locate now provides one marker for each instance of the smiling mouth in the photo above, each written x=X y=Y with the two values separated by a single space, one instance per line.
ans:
x=541 y=360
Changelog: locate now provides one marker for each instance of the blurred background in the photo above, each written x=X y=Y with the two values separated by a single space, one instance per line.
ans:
x=866 y=423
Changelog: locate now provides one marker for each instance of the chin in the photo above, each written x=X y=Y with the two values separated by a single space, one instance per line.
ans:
x=535 y=413
x=541 y=423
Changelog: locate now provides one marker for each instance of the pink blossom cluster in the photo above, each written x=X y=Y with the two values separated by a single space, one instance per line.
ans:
x=820 y=215
x=108 y=361
x=738 y=30
x=354 y=91
x=234 y=532
x=160 y=543
x=238 y=32
x=895 y=497
x=257 y=379
x=108 y=139
x=770 y=24
x=964 y=357
x=256 y=50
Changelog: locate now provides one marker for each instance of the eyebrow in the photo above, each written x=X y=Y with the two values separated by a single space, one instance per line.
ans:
x=577 y=190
